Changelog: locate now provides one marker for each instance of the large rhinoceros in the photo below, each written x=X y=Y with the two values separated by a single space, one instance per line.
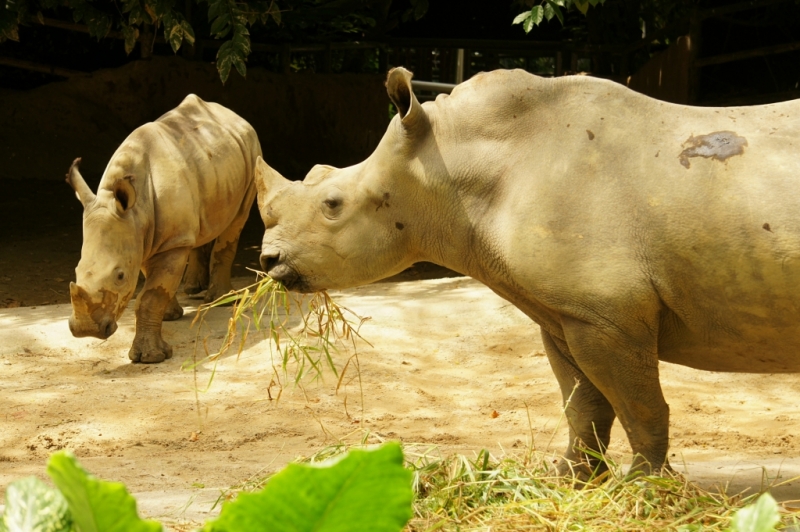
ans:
x=631 y=230
x=172 y=186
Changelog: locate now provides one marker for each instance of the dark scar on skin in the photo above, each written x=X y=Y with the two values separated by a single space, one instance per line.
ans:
x=399 y=225
x=718 y=146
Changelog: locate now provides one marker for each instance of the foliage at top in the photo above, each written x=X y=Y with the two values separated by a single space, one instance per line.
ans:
x=617 y=22
x=230 y=20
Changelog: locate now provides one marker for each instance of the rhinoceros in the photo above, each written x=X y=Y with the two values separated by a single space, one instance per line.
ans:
x=631 y=230
x=172 y=186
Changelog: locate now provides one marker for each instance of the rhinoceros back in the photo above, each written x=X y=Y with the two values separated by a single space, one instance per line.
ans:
x=196 y=164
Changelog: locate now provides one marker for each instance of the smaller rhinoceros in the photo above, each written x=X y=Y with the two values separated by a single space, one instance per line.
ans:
x=174 y=185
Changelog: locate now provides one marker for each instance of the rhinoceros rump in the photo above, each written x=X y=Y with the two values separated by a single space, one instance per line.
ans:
x=631 y=230
x=172 y=186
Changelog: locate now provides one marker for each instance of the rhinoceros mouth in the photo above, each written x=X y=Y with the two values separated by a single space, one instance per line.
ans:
x=290 y=278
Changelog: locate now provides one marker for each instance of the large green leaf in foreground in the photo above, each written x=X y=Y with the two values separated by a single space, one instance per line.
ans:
x=96 y=505
x=367 y=491
x=33 y=506
x=761 y=516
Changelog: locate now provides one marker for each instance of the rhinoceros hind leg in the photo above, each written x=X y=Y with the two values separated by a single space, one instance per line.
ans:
x=225 y=250
x=620 y=364
x=174 y=310
x=589 y=414
x=195 y=279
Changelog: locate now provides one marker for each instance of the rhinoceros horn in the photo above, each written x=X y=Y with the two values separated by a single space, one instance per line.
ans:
x=398 y=86
x=75 y=180
x=268 y=182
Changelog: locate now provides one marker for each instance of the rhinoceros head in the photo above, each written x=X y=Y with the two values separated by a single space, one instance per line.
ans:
x=345 y=227
x=111 y=254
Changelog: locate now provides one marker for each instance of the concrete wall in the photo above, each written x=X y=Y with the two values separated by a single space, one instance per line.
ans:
x=301 y=120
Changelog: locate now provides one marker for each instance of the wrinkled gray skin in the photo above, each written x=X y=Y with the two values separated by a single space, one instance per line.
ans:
x=172 y=187
x=631 y=230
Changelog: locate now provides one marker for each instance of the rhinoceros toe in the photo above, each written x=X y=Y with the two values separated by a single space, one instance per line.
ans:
x=150 y=351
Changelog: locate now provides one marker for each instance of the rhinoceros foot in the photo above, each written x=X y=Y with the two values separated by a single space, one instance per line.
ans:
x=217 y=291
x=582 y=472
x=174 y=310
x=149 y=350
x=193 y=288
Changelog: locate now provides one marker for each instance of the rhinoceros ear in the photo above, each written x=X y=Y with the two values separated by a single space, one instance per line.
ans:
x=398 y=85
x=317 y=174
x=124 y=194
x=268 y=182
x=75 y=180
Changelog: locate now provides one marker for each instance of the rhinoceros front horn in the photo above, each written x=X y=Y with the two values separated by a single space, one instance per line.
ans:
x=268 y=182
x=75 y=180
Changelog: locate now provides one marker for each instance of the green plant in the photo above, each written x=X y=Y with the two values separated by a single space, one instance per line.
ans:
x=32 y=505
x=267 y=307
x=547 y=9
x=367 y=491
x=761 y=516
x=230 y=20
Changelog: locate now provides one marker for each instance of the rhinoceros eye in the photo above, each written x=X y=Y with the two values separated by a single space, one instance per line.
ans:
x=332 y=207
x=120 y=276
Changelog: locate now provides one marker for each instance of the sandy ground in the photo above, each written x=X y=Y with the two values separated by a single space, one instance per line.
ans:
x=446 y=356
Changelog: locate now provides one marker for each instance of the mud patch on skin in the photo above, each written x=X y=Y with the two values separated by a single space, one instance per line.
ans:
x=87 y=315
x=718 y=146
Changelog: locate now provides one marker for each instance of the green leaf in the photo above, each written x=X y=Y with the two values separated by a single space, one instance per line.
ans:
x=522 y=17
x=761 y=516
x=549 y=12
x=583 y=7
x=420 y=8
x=365 y=491
x=96 y=505
x=131 y=34
x=224 y=60
x=559 y=13
x=537 y=14
x=275 y=13
x=221 y=26
x=33 y=506
x=188 y=32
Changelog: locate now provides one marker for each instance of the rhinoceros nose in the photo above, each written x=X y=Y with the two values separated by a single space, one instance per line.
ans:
x=269 y=261
x=107 y=327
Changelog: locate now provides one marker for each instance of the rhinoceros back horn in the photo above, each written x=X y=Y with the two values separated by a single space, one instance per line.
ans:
x=75 y=180
x=268 y=181
x=398 y=86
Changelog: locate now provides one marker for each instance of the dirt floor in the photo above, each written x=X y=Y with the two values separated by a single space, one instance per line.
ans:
x=451 y=366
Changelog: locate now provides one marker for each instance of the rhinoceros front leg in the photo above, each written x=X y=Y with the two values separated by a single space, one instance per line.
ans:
x=224 y=251
x=162 y=277
x=589 y=414
x=619 y=359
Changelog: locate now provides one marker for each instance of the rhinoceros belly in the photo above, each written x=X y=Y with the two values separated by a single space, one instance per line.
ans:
x=744 y=339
